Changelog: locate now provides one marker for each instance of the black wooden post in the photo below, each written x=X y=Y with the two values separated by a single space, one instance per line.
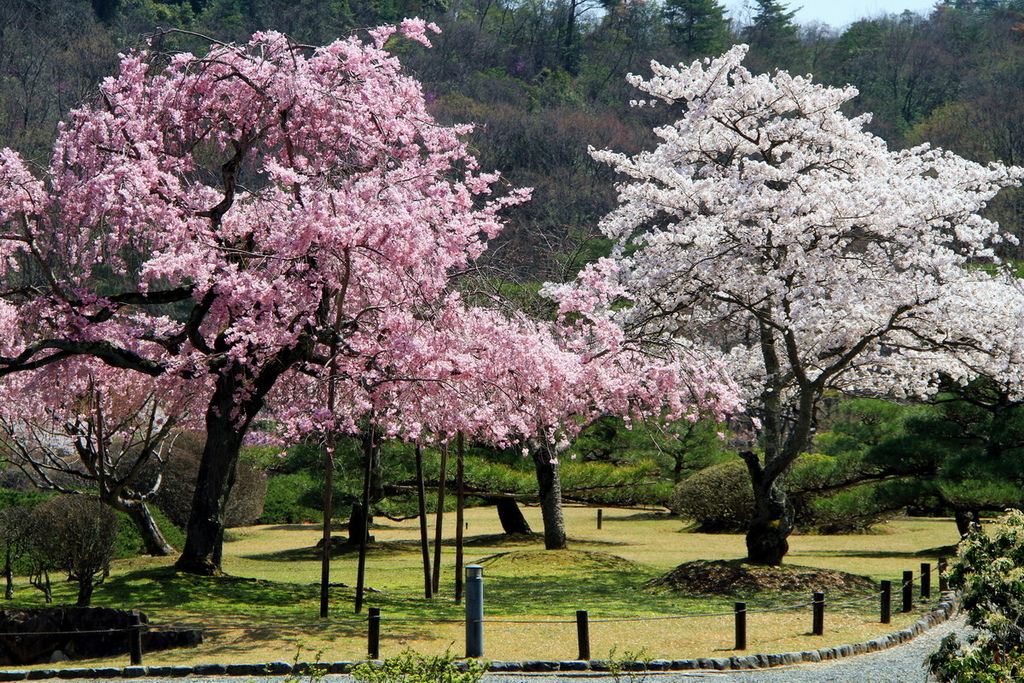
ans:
x=943 y=579
x=926 y=580
x=818 y=604
x=741 y=625
x=583 y=634
x=600 y=515
x=886 y=602
x=135 y=639
x=373 y=630
x=908 y=591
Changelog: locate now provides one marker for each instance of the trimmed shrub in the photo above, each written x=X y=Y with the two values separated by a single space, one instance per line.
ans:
x=718 y=498
x=286 y=500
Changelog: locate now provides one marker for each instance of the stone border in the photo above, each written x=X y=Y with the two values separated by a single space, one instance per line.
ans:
x=946 y=608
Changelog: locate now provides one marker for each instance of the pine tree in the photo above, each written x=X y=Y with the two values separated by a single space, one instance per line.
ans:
x=696 y=27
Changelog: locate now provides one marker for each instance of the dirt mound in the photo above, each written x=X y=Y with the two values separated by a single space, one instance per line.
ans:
x=722 y=577
x=553 y=560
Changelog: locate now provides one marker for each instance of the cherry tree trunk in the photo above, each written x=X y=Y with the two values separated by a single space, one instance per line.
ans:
x=152 y=537
x=549 y=484
x=238 y=396
x=205 y=530
x=510 y=516
x=772 y=522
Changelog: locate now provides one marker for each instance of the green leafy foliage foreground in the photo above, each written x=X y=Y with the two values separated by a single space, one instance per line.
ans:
x=412 y=667
x=989 y=572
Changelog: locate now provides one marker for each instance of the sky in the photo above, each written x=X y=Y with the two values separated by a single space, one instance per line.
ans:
x=840 y=13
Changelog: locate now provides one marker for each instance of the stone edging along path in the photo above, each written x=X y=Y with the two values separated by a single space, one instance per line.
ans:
x=945 y=609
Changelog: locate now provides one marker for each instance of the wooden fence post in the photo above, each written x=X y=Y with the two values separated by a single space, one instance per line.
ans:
x=908 y=591
x=741 y=625
x=886 y=602
x=583 y=634
x=818 y=604
x=135 y=639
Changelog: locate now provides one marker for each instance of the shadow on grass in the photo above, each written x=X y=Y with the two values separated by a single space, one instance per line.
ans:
x=944 y=551
x=387 y=548
x=642 y=516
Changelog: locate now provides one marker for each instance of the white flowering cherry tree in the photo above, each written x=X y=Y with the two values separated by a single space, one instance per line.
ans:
x=770 y=224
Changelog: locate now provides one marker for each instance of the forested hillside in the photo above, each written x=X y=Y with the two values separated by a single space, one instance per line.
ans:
x=544 y=79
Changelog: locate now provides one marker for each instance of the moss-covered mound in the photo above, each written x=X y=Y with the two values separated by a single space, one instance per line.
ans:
x=543 y=561
x=721 y=577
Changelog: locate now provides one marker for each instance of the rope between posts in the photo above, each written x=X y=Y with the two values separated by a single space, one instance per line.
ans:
x=263 y=623
x=778 y=609
x=71 y=633
x=873 y=596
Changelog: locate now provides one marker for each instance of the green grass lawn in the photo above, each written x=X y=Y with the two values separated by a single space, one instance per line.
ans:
x=268 y=607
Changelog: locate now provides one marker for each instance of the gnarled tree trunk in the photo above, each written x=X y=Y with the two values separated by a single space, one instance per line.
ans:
x=772 y=523
x=237 y=398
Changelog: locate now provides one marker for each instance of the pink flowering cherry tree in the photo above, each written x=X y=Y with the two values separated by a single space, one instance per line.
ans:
x=769 y=224
x=231 y=219
x=509 y=380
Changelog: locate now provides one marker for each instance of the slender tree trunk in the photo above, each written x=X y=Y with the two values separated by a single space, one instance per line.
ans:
x=40 y=578
x=428 y=584
x=460 y=513
x=9 y=576
x=549 y=484
x=369 y=446
x=325 y=558
x=439 y=522
x=152 y=538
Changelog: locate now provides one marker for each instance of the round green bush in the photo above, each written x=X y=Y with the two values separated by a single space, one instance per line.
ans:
x=284 y=502
x=718 y=498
